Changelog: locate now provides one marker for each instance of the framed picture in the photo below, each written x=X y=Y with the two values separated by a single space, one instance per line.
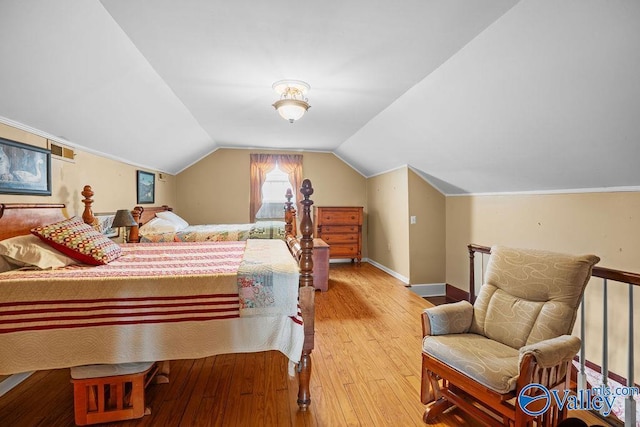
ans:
x=146 y=185
x=24 y=169
x=104 y=224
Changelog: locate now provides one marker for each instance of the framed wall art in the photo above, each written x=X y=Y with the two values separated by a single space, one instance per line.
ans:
x=24 y=169
x=146 y=187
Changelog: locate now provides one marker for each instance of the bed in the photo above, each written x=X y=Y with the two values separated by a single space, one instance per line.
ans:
x=160 y=224
x=158 y=301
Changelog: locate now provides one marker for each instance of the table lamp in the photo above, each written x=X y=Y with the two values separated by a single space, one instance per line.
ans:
x=124 y=219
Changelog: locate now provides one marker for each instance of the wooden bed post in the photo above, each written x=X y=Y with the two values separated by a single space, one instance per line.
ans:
x=290 y=215
x=87 y=214
x=136 y=213
x=307 y=294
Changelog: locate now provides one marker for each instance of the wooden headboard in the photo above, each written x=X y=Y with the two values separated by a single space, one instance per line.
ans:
x=17 y=219
x=143 y=215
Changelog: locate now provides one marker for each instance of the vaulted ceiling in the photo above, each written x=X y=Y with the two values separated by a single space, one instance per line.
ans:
x=490 y=96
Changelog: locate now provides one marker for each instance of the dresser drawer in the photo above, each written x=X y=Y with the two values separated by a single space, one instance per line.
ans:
x=340 y=216
x=329 y=229
x=343 y=250
x=339 y=238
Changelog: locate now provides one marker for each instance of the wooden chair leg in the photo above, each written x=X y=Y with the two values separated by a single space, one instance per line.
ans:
x=440 y=405
x=426 y=392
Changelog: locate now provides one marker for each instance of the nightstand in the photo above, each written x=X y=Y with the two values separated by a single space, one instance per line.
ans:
x=320 y=258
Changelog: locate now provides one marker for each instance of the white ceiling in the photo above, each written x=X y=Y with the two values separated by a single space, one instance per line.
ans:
x=491 y=96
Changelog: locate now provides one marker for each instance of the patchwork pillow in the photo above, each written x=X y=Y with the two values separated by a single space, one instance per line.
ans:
x=173 y=218
x=78 y=240
x=28 y=250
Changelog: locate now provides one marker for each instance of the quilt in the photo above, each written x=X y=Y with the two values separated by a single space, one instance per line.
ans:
x=220 y=232
x=156 y=302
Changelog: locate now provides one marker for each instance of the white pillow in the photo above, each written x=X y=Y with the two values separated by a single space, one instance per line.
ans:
x=31 y=251
x=6 y=265
x=158 y=226
x=177 y=220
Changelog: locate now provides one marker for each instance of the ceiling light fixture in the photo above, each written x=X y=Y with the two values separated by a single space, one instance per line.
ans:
x=292 y=103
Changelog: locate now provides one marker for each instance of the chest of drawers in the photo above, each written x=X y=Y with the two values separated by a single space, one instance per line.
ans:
x=341 y=228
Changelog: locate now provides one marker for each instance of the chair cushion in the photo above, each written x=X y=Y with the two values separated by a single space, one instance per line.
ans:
x=530 y=295
x=488 y=362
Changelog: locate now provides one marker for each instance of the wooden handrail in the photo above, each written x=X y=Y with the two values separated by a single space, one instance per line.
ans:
x=616 y=275
x=601 y=272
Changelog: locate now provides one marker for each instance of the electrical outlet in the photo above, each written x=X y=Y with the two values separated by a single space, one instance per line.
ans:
x=412 y=219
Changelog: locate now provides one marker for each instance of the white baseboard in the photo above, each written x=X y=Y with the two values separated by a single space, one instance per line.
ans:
x=13 y=380
x=429 y=289
x=342 y=260
x=398 y=276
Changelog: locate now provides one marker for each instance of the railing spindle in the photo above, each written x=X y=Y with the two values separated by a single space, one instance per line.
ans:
x=582 y=375
x=605 y=334
x=630 y=403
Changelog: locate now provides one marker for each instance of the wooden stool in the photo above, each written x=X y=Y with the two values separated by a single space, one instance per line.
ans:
x=105 y=393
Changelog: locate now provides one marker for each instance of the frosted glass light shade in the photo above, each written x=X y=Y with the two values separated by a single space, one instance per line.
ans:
x=291 y=109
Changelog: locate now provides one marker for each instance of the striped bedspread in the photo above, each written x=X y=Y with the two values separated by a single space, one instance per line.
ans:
x=156 y=302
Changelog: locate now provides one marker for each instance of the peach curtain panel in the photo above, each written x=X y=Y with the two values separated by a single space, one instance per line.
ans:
x=261 y=165
x=291 y=164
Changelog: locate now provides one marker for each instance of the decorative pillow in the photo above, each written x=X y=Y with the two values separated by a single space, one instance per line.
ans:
x=171 y=217
x=78 y=240
x=28 y=250
x=6 y=265
x=158 y=226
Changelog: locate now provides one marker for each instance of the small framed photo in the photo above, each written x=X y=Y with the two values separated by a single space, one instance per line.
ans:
x=104 y=221
x=146 y=185
x=24 y=169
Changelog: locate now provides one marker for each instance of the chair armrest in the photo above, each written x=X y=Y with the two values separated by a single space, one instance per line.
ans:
x=552 y=352
x=454 y=318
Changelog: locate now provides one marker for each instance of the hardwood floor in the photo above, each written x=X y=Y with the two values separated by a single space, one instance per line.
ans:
x=366 y=371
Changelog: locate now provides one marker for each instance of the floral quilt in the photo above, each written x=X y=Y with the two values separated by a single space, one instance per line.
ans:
x=268 y=280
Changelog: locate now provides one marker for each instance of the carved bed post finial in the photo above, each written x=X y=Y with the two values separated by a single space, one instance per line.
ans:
x=288 y=217
x=134 y=236
x=307 y=296
x=87 y=214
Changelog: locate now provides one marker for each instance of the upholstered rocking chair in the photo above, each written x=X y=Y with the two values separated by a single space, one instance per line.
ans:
x=480 y=357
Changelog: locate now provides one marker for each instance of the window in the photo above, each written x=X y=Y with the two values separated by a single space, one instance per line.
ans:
x=271 y=175
x=273 y=190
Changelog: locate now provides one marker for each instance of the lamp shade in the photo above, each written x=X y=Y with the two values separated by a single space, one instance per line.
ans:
x=291 y=109
x=123 y=218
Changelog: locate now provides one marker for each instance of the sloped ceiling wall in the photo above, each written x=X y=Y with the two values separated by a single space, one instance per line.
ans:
x=546 y=98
